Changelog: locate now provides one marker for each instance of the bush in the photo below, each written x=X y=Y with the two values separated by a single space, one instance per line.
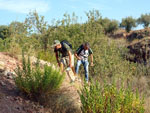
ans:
x=128 y=23
x=110 y=26
x=5 y=44
x=113 y=26
x=2 y=47
x=4 y=32
x=144 y=19
x=36 y=82
x=108 y=59
x=47 y=56
x=96 y=98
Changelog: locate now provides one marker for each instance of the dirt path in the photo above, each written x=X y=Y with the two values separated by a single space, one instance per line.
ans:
x=66 y=100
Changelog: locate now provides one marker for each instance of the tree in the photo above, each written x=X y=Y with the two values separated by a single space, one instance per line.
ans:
x=113 y=26
x=128 y=23
x=93 y=25
x=93 y=15
x=110 y=26
x=4 y=32
x=105 y=23
x=144 y=20
x=17 y=28
x=36 y=24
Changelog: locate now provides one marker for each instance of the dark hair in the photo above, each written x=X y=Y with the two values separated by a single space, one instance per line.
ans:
x=87 y=44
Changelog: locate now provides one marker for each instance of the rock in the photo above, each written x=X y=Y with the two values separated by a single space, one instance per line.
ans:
x=42 y=63
x=2 y=64
x=5 y=73
x=12 y=61
x=1 y=70
x=2 y=83
x=9 y=74
x=1 y=95
x=139 y=51
x=9 y=77
x=18 y=108
x=7 y=97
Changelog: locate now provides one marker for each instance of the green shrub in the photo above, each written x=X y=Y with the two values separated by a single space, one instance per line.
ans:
x=1 y=45
x=4 y=32
x=144 y=20
x=110 y=26
x=47 y=56
x=108 y=59
x=36 y=82
x=96 y=98
x=128 y=23
x=5 y=44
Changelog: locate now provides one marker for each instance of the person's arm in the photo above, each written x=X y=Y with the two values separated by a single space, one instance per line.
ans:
x=70 y=58
x=78 y=51
x=91 y=60
x=77 y=56
x=56 y=54
x=91 y=55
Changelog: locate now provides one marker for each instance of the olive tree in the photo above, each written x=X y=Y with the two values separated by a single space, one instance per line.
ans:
x=110 y=26
x=144 y=20
x=128 y=23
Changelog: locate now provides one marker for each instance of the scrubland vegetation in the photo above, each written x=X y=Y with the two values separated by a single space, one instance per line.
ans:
x=117 y=85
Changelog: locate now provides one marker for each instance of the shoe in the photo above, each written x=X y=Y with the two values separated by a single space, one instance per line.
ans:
x=72 y=81
x=68 y=69
x=77 y=79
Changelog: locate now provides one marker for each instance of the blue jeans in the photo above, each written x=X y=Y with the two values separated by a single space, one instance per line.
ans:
x=85 y=64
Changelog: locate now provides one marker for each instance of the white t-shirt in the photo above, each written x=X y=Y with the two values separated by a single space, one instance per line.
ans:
x=84 y=54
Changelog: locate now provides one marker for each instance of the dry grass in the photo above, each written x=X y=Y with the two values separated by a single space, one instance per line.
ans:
x=147 y=105
x=66 y=100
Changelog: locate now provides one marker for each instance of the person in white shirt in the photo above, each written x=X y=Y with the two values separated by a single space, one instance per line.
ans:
x=82 y=54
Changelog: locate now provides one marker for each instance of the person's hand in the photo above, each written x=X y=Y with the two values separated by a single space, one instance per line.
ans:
x=58 y=64
x=79 y=58
x=92 y=64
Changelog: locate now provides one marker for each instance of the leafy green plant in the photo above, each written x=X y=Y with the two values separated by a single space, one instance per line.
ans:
x=97 y=98
x=144 y=20
x=2 y=47
x=4 y=32
x=128 y=23
x=47 y=56
x=36 y=82
x=110 y=26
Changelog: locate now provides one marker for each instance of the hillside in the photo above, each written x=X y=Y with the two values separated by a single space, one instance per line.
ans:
x=115 y=83
x=137 y=42
x=13 y=101
x=132 y=35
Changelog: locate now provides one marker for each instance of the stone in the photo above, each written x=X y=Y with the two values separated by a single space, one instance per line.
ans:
x=5 y=73
x=9 y=77
x=2 y=72
x=2 y=63
x=2 y=83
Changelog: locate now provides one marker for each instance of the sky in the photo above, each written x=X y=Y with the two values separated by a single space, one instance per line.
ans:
x=17 y=10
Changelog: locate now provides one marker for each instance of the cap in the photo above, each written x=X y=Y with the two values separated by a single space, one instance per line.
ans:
x=56 y=42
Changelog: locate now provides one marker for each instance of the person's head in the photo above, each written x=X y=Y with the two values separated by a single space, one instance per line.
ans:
x=86 y=45
x=56 y=44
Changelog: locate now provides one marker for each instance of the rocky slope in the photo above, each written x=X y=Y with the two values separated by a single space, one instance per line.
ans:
x=66 y=100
